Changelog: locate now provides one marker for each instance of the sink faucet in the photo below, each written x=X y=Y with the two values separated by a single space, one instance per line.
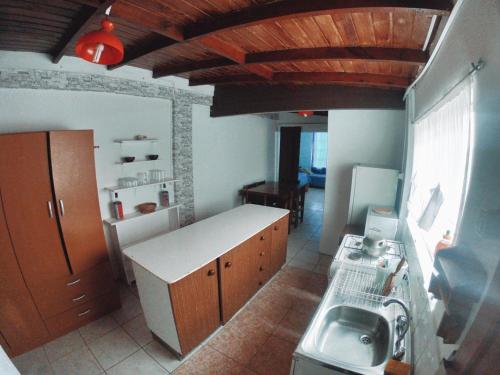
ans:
x=402 y=325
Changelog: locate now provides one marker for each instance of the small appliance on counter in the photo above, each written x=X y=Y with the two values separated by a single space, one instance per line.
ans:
x=383 y=221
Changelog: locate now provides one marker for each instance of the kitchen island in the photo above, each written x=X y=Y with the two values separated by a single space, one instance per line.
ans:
x=194 y=279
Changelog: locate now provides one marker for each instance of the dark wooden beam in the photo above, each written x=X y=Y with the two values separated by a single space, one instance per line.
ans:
x=400 y=55
x=149 y=45
x=192 y=66
x=235 y=54
x=238 y=100
x=301 y=8
x=78 y=27
x=365 y=79
x=404 y=55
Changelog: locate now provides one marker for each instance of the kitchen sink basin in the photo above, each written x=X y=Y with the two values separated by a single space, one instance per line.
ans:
x=354 y=336
x=349 y=336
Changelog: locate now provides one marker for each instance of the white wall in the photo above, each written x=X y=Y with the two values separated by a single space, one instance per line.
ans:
x=356 y=136
x=472 y=36
x=111 y=116
x=228 y=152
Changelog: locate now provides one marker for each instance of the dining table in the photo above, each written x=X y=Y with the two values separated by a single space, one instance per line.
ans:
x=289 y=195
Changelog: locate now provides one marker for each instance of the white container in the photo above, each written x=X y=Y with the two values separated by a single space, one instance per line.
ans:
x=384 y=225
x=371 y=186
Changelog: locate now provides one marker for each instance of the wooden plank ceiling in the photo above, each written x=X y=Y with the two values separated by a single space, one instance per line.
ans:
x=371 y=43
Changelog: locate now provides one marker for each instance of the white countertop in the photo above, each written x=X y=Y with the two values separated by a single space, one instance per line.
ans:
x=174 y=255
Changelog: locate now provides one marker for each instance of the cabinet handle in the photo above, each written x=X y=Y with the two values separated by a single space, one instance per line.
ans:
x=211 y=272
x=262 y=238
x=260 y=282
x=84 y=313
x=276 y=227
x=73 y=282
x=51 y=211
x=261 y=253
x=61 y=205
x=79 y=298
x=261 y=268
x=228 y=264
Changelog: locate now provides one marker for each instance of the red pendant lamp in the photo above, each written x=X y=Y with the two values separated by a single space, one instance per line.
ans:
x=101 y=46
x=306 y=113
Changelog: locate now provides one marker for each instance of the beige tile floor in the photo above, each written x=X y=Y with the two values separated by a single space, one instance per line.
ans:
x=259 y=340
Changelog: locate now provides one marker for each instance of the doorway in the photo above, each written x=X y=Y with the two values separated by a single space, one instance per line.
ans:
x=303 y=249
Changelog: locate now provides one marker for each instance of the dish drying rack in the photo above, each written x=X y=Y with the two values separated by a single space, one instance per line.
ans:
x=355 y=284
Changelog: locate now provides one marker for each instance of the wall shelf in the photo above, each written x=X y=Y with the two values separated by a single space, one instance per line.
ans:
x=137 y=214
x=136 y=161
x=117 y=189
x=133 y=141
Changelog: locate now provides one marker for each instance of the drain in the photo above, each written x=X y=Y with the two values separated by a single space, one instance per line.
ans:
x=365 y=339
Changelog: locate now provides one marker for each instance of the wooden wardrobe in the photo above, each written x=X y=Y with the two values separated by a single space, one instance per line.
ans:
x=54 y=270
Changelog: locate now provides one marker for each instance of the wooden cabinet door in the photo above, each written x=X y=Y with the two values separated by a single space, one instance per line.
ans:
x=21 y=327
x=29 y=207
x=279 y=244
x=195 y=304
x=237 y=277
x=75 y=188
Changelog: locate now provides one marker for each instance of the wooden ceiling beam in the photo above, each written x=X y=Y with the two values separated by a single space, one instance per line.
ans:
x=78 y=27
x=239 y=100
x=235 y=54
x=399 y=55
x=152 y=44
x=365 y=79
x=301 y=8
x=192 y=66
x=404 y=55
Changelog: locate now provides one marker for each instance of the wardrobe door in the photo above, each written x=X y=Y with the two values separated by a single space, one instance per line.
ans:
x=75 y=187
x=21 y=327
x=29 y=207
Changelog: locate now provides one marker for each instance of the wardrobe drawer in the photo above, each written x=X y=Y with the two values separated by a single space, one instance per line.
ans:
x=62 y=294
x=83 y=314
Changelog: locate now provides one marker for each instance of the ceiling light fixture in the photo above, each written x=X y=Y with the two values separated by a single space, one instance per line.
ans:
x=306 y=113
x=101 y=46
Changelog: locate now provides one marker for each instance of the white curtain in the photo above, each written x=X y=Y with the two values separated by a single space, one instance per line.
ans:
x=320 y=153
x=440 y=160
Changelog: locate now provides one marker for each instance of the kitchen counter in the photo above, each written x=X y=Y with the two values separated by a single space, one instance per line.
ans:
x=174 y=255
x=192 y=280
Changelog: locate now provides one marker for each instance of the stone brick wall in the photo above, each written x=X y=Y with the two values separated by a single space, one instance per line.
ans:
x=182 y=101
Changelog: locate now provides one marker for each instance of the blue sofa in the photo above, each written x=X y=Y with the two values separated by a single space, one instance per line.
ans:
x=317 y=177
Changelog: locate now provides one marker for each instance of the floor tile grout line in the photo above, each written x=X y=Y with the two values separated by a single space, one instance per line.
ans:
x=90 y=351
x=154 y=359
x=128 y=356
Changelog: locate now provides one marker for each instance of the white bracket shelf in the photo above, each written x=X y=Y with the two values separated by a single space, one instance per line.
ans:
x=137 y=214
x=134 y=141
x=136 y=162
x=117 y=189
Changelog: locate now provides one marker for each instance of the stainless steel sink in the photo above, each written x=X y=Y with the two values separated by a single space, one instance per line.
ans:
x=350 y=333
x=364 y=336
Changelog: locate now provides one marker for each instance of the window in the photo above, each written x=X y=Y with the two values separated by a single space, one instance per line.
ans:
x=439 y=173
x=319 y=154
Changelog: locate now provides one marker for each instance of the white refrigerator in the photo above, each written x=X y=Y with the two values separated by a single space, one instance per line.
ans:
x=371 y=186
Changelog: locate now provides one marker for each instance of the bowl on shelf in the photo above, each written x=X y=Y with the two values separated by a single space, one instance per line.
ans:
x=128 y=159
x=140 y=137
x=146 y=208
x=152 y=157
